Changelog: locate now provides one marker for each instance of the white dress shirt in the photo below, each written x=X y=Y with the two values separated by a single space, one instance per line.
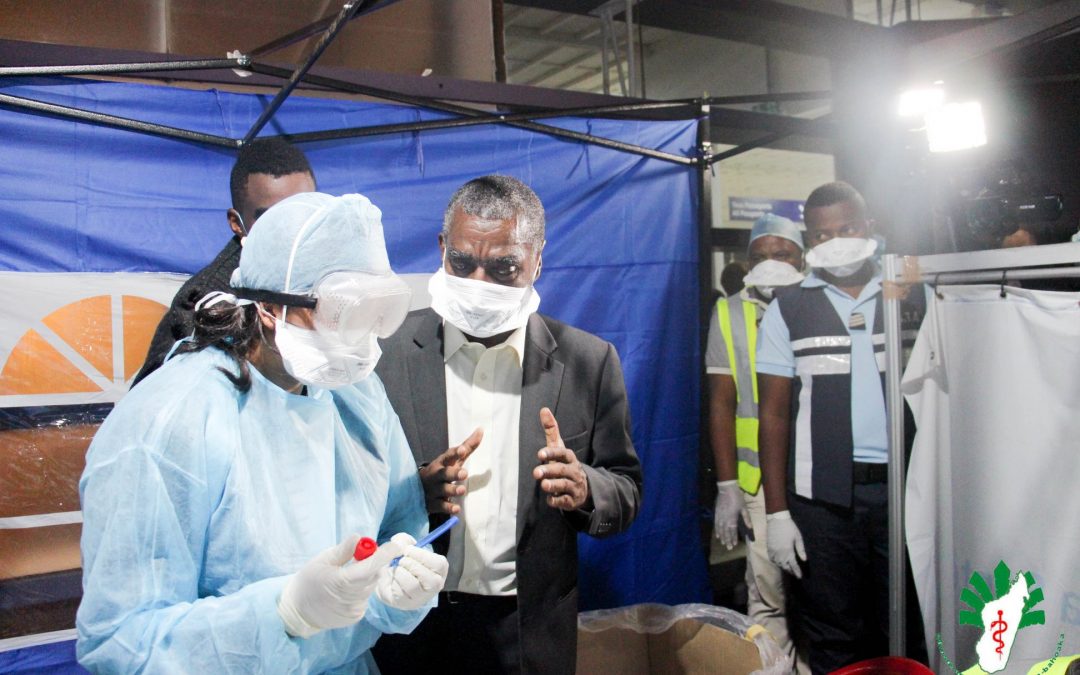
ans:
x=483 y=389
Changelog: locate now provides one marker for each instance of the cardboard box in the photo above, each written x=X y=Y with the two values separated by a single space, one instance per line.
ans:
x=688 y=646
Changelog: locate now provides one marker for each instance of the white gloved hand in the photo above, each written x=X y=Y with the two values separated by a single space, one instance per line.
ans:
x=328 y=592
x=784 y=542
x=730 y=506
x=416 y=579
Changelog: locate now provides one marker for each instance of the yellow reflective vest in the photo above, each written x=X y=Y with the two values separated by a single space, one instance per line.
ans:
x=738 y=325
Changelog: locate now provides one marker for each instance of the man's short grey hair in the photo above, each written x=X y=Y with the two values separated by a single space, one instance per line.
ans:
x=500 y=198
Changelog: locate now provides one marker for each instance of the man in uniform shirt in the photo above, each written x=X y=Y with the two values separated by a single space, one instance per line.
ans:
x=823 y=435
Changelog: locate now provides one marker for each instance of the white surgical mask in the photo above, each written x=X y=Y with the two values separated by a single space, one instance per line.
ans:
x=841 y=256
x=480 y=308
x=769 y=274
x=316 y=361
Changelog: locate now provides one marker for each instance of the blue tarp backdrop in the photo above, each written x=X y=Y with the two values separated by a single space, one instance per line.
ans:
x=621 y=258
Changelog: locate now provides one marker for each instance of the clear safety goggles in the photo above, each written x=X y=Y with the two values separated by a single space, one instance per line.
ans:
x=348 y=306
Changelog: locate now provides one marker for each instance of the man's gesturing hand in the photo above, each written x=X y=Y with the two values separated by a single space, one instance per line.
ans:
x=560 y=473
x=443 y=478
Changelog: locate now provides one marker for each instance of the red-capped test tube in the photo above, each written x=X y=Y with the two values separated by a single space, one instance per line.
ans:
x=365 y=548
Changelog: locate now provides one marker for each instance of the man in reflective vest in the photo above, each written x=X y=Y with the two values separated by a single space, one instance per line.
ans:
x=775 y=258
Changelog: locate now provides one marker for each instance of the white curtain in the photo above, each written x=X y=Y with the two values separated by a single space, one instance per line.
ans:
x=995 y=472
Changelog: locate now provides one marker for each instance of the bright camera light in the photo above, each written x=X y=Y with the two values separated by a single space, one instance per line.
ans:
x=918 y=102
x=956 y=126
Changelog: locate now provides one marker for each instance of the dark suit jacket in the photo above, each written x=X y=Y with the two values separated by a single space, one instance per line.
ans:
x=179 y=321
x=578 y=376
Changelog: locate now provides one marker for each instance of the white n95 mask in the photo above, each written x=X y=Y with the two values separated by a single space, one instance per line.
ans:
x=480 y=308
x=770 y=274
x=319 y=361
x=841 y=256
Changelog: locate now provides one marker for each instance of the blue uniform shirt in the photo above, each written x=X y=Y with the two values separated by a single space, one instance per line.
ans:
x=776 y=357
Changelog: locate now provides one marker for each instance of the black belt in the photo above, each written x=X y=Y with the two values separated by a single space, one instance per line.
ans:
x=459 y=598
x=865 y=472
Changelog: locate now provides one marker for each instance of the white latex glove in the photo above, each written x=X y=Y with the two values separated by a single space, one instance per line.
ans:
x=415 y=580
x=730 y=506
x=784 y=542
x=329 y=592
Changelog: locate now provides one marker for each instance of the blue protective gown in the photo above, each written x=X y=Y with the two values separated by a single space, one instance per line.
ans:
x=199 y=500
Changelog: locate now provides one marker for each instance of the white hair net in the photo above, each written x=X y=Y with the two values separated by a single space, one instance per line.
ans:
x=303 y=238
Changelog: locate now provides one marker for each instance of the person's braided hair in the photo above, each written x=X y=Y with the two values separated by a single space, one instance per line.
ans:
x=234 y=329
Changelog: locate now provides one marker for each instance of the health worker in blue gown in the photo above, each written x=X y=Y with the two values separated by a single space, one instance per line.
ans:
x=223 y=497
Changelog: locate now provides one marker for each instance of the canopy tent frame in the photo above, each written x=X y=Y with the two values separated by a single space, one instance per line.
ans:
x=469 y=116
x=328 y=28
x=705 y=111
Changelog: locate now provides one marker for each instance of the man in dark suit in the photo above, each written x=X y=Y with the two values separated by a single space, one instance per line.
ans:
x=540 y=412
x=266 y=171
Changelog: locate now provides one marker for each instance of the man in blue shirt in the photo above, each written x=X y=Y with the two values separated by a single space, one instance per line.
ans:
x=823 y=435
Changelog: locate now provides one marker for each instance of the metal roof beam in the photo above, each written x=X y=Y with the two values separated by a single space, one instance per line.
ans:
x=570 y=40
x=933 y=57
x=591 y=74
x=557 y=24
x=763 y=22
x=532 y=64
x=559 y=68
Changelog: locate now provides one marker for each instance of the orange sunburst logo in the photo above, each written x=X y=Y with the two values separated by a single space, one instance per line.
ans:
x=87 y=346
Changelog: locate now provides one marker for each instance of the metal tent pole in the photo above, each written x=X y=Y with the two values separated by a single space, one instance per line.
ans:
x=505 y=118
x=894 y=407
x=704 y=171
x=1004 y=276
x=705 y=228
x=125 y=68
x=632 y=66
x=313 y=29
x=115 y=121
x=335 y=27
x=343 y=85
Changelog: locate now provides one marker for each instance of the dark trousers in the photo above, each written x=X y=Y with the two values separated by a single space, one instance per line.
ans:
x=840 y=607
x=464 y=634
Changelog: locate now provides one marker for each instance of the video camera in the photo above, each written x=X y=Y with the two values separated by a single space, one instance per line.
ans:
x=1002 y=215
x=1008 y=203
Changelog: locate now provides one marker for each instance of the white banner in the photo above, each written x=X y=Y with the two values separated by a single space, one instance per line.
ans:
x=76 y=338
x=993 y=491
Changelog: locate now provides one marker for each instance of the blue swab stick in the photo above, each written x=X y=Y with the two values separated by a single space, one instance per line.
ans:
x=431 y=536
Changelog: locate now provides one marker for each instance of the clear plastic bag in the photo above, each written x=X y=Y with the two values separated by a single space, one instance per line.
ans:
x=656 y=618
